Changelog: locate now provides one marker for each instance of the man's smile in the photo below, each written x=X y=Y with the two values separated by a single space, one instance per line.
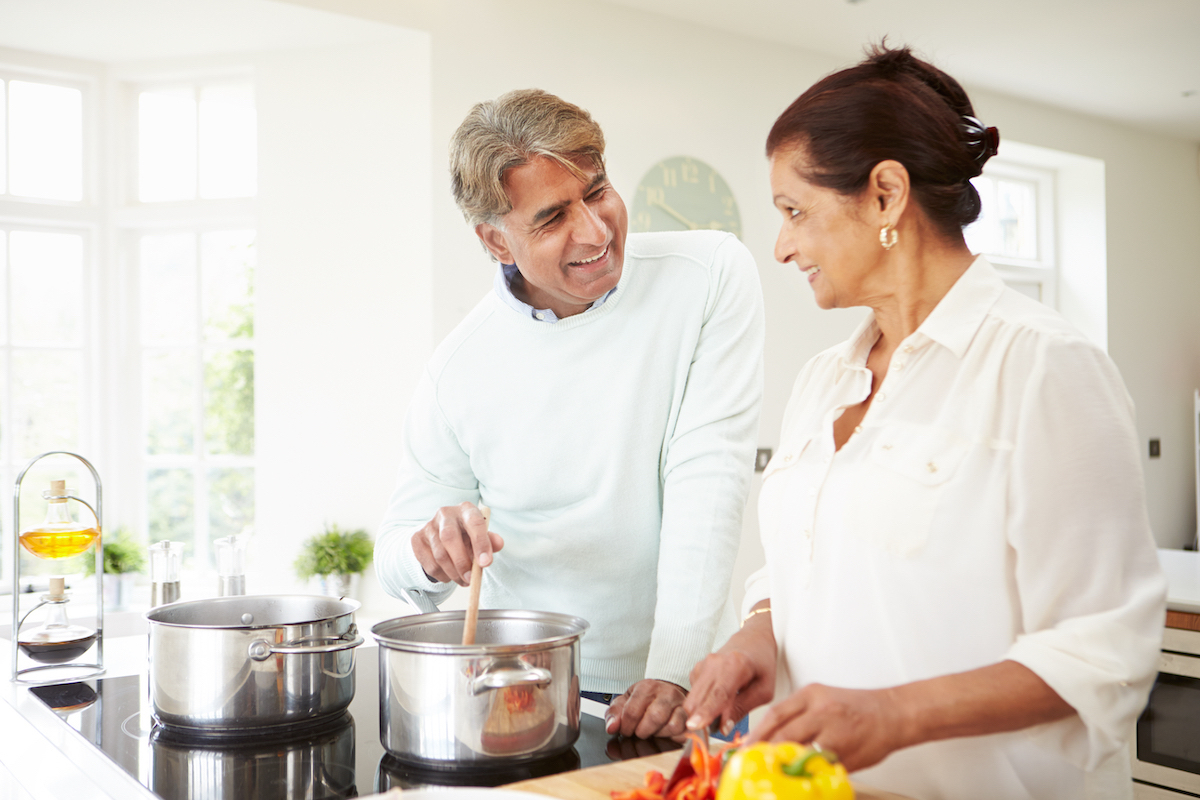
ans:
x=591 y=260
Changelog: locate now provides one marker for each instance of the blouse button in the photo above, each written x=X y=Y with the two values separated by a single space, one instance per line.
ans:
x=899 y=365
x=908 y=348
x=932 y=467
x=881 y=397
x=787 y=458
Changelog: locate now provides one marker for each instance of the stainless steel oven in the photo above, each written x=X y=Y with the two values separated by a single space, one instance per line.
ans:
x=1166 y=747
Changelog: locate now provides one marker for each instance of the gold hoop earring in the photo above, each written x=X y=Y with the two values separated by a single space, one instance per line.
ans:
x=888 y=236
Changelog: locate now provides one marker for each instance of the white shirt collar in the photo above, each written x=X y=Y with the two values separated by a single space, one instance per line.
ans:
x=953 y=322
x=503 y=286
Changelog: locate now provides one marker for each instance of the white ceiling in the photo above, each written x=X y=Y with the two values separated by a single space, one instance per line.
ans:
x=135 y=30
x=1136 y=61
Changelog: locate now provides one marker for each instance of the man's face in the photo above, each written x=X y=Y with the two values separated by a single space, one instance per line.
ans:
x=566 y=235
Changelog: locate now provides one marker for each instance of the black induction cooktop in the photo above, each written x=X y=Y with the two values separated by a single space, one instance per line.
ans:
x=337 y=758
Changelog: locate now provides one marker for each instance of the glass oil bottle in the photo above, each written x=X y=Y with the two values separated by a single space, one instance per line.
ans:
x=56 y=646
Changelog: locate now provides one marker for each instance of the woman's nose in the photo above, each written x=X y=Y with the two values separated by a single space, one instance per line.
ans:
x=785 y=251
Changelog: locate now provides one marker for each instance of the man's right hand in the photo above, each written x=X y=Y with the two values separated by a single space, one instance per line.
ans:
x=448 y=543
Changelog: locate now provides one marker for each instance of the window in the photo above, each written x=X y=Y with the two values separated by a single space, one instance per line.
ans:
x=198 y=384
x=127 y=299
x=1015 y=229
x=1044 y=229
x=47 y=241
x=195 y=273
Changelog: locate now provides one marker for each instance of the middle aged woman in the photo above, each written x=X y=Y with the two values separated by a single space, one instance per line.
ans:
x=962 y=597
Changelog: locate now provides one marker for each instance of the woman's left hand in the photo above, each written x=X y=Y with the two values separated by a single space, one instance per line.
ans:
x=861 y=726
x=864 y=725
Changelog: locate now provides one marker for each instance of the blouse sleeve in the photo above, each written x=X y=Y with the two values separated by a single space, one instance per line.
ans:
x=1092 y=595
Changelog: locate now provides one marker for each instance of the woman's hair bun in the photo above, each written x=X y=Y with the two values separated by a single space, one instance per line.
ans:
x=892 y=106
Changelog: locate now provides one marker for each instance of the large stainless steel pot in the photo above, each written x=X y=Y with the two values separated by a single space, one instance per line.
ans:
x=232 y=663
x=511 y=697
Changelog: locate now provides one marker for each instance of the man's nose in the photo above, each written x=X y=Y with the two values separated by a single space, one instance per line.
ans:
x=590 y=228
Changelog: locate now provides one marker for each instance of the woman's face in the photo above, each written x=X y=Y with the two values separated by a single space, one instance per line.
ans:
x=826 y=235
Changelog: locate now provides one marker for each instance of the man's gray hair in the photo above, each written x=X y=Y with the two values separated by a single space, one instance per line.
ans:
x=509 y=132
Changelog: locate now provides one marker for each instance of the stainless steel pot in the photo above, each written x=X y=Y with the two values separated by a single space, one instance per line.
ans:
x=231 y=663
x=513 y=696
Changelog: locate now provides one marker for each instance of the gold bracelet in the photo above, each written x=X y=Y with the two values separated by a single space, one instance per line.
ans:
x=763 y=610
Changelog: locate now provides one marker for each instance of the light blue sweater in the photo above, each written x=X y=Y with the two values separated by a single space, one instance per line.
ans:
x=614 y=447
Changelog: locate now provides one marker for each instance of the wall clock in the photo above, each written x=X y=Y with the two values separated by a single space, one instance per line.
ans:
x=683 y=193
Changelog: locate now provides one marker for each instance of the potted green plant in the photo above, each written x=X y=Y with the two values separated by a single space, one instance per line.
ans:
x=124 y=558
x=337 y=558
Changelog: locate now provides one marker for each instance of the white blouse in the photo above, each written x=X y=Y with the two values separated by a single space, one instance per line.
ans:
x=990 y=506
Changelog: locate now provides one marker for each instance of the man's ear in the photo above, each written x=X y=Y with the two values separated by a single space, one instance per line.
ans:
x=495 y=241
x=888 y=186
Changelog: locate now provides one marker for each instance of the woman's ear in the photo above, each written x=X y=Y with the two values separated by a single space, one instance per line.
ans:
x=495 y=241
x=888 y=187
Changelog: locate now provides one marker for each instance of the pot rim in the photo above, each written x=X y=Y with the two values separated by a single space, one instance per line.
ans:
x=384 y=631
x=349 y=606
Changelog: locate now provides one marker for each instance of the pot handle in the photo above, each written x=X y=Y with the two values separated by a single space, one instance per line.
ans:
x=261 y=649
x=503 y=677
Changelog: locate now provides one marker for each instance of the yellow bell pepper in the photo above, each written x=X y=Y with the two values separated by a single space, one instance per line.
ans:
x=783 y=771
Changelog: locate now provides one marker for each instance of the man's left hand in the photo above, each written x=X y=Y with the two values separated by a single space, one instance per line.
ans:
x=648 y=708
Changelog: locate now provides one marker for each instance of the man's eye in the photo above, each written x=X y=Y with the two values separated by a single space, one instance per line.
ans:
x=596 y=195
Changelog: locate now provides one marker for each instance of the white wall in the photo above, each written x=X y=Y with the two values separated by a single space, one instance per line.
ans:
x=660 y=87
x=344 y=291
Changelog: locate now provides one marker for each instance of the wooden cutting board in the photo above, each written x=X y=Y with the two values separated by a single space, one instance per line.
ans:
x=595 y=783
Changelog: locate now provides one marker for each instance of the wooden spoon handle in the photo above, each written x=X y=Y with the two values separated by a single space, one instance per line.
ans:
x=472 y=618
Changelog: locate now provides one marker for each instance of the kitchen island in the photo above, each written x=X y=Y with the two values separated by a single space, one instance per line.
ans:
x=41 y=758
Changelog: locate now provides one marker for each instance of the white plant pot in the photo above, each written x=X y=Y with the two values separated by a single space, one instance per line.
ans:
x=338 y=585
x=118 y=590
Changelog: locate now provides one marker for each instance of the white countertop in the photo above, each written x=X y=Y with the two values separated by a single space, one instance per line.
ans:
x=1182 y=568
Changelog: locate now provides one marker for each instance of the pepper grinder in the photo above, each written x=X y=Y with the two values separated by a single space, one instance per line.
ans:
x=231 y=566
x=164 y=572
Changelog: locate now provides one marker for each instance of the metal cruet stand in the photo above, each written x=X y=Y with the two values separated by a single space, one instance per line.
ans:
x=97 y=667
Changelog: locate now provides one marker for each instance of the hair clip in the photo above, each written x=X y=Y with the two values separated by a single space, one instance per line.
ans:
x=979 y=135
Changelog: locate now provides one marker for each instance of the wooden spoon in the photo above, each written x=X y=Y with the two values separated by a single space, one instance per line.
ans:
x=472 y=618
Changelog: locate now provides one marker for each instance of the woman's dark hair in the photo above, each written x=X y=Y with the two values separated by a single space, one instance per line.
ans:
x=892 y=106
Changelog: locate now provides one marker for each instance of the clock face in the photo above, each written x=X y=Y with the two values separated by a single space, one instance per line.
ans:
x=683 y=193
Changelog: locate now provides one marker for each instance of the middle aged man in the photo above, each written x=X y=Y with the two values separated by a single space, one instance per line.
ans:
x=602 y=400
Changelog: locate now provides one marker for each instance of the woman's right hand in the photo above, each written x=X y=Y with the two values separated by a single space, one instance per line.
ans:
x=447 y=545
x=738 y=677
